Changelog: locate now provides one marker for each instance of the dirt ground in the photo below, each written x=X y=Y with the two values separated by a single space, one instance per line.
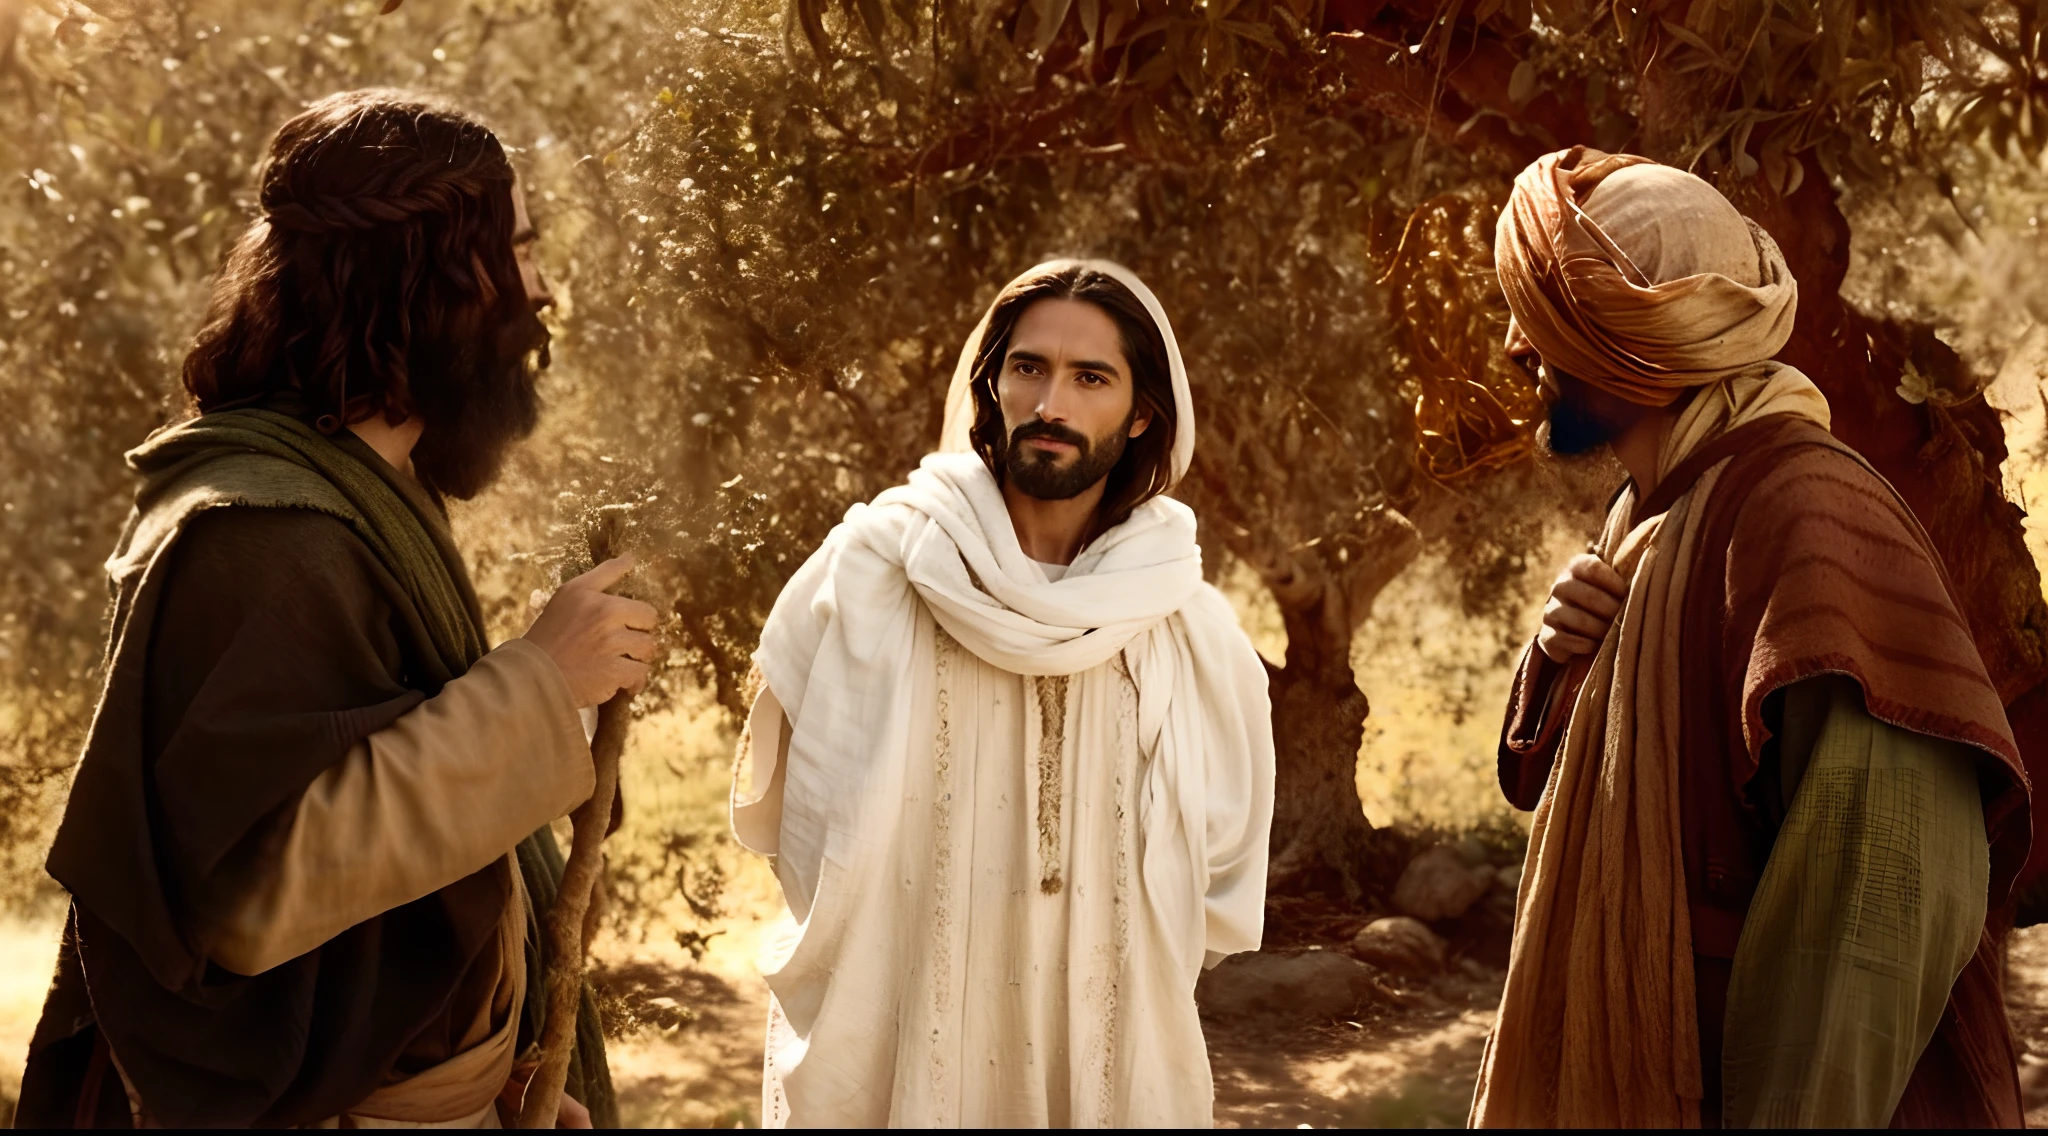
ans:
x=691 y=1056
x=2026 y=1000
x=1405 y=1060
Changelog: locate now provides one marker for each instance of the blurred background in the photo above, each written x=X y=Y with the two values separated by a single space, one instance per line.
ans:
x=771 y=225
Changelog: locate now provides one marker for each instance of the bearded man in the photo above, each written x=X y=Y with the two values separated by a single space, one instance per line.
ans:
x=1775 y=790
x=307 y=837
x=1011 y=754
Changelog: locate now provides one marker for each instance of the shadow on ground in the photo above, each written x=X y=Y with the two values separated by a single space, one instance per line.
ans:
x=2026 y=1002
x=686 y=1048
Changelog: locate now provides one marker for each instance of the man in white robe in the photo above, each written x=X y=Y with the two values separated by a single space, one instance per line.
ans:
x=1011 y=755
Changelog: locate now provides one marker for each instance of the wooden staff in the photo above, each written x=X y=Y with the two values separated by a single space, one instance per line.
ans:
x=567 y=935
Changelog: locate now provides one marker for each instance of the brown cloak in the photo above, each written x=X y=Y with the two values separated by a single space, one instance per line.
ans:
x=1808 y=564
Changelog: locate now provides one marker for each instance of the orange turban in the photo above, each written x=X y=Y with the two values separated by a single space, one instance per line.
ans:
x=1638 y=278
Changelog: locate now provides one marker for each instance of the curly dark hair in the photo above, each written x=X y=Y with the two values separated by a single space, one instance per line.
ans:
x=380 y=279
x=1146 y=468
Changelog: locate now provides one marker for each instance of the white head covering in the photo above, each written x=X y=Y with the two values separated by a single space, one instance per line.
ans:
x=954 y=437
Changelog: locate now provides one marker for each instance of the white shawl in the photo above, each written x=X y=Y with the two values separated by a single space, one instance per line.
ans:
x=838 y=651
x=849 y=652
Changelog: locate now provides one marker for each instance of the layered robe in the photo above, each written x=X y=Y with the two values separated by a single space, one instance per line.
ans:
x=290 y=843
x=1775 y=804
x=1771 y=812
x=1013 y=817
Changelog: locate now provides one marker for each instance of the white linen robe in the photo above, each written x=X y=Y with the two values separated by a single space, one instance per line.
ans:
x=1003 y=885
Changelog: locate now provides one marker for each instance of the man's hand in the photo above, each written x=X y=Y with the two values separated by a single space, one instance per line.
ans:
x=1583 y=604
x=602 y=643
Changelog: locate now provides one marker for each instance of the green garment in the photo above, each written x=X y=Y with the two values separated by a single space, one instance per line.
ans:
x=285 y=463
x=1871 y=905
x=282 y=462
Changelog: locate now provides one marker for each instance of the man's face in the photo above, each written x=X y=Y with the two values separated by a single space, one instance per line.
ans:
x=484 y=397
x=1066 y=394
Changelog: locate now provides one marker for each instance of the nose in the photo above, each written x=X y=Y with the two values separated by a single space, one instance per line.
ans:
x=1052 y=402
x=537 y=291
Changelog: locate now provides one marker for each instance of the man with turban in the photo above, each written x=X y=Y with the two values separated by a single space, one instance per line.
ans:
x=1011 y=755
x=1775 y=790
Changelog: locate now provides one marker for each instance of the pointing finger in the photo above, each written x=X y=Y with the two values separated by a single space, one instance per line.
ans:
x=604 y=576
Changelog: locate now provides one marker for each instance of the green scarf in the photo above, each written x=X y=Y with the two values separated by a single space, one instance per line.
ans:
x=263 y=459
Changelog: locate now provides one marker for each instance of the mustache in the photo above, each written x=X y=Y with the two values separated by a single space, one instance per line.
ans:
x=1052 y=431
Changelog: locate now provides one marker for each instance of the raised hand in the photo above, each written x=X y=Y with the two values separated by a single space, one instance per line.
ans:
x=603 y=643
x=1584 y=601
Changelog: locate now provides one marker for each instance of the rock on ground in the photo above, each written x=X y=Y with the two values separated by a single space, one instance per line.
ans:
x=1311 y=984
x=1438 y=885
x=1401 y=944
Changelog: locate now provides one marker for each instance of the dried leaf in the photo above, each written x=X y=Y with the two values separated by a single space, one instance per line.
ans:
x=1522 y=84
x=1711 y=57
x=875 y=21
x=1261 y=34
x=1051 y=15
x=810 y=16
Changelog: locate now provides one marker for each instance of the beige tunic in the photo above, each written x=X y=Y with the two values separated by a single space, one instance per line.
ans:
x=1017 y=857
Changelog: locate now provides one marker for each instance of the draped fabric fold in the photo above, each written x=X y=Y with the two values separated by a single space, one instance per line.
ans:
x=149 y=827
x=1597 y=1023
x=1017 y=815
x=1646 y=290
x=1763 y=554
x=843 y=646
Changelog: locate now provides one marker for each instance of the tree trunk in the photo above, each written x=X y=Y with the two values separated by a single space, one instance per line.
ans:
x=1321 y=839
x=1320 y=834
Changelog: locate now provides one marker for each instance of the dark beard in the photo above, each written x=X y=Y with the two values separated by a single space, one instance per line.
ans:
x=1036 y=473
x=479 y=398
x=1583 y=419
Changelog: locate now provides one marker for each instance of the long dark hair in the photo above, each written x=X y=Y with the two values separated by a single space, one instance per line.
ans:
x=1146 y=469
x=380 y=279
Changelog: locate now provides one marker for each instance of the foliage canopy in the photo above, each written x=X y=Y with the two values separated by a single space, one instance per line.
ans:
x=771 y=227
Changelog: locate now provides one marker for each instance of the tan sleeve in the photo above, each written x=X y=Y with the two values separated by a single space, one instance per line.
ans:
x=439 y=794
x=757 y=776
